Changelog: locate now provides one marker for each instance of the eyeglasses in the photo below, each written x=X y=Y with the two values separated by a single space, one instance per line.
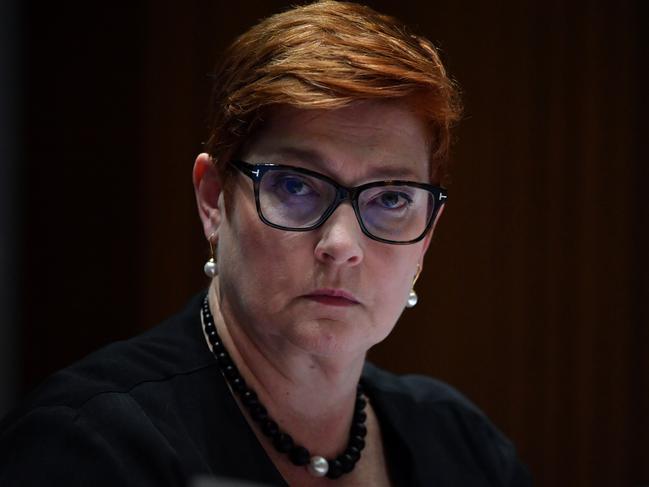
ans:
x=297 y=199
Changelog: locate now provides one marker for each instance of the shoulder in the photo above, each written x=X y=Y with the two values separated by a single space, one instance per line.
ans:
x=414 y=389
x=170 y=349
x=109 y=441
x=35 y=444
x=443 y=427
x=106 y=413
x=420 y=399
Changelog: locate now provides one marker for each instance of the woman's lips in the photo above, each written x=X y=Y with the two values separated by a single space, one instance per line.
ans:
x=333 y=297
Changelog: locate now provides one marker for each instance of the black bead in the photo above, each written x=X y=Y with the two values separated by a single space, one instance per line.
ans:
x=238 y=384
x=283 y=442
x=354 y=453
x=249 y=398
x=357 y=441
x=346 y=463
x=224 y=359
x=217 y=345
x=230 y=372
x=258 y=412
x=358 y=430
x=360 y=404
x=360 y=417
x=335 y=469
x=269 y=427
x=299 y=455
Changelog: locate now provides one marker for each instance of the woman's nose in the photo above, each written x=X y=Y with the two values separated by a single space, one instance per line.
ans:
x=340 y=238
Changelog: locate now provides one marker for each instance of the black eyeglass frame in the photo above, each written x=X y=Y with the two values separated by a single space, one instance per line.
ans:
x=256 y=171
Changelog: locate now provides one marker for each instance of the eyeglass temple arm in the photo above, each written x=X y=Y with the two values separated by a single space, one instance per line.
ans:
x=248 y=169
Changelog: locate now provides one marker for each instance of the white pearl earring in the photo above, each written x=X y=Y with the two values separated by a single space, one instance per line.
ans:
x=413 y=299
x=210 y=268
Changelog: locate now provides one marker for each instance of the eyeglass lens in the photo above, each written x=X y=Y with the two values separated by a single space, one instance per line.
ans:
x=294 y=200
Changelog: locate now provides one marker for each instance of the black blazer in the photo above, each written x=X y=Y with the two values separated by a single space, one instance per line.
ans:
x=155 y=411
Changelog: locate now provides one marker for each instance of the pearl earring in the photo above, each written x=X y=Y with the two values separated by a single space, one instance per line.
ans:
x=413 y=299
x=210 y=268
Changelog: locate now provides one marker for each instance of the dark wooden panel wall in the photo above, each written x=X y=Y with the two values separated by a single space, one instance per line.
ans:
x=534 y=297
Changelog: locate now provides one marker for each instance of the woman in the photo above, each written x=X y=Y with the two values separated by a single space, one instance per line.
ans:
x=318 y=194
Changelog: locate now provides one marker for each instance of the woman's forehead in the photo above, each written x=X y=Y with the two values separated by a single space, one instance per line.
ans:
x=374 y=139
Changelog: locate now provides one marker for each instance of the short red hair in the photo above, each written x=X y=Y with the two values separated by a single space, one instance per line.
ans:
x=327 y=55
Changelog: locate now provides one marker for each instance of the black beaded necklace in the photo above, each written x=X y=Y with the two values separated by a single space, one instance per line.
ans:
x=317 y=466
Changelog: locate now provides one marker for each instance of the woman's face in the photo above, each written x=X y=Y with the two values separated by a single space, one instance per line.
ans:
x=331 y=290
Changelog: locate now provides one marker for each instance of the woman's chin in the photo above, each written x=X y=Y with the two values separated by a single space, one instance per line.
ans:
x=329 y=338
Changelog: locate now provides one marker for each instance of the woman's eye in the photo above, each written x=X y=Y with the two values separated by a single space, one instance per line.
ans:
x=393 y=200
x=295 y=186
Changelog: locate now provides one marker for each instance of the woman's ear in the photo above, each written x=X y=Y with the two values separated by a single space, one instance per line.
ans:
x=208 y=189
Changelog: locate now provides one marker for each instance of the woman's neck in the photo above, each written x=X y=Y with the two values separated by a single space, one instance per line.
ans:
x=311 y=398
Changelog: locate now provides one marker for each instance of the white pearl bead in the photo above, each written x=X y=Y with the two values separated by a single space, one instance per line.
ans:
x=318 y=466
x=210 y=268
x=412 y=299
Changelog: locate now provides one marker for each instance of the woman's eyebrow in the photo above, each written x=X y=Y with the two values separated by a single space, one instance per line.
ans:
x=302 y=155
x=319 y=163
